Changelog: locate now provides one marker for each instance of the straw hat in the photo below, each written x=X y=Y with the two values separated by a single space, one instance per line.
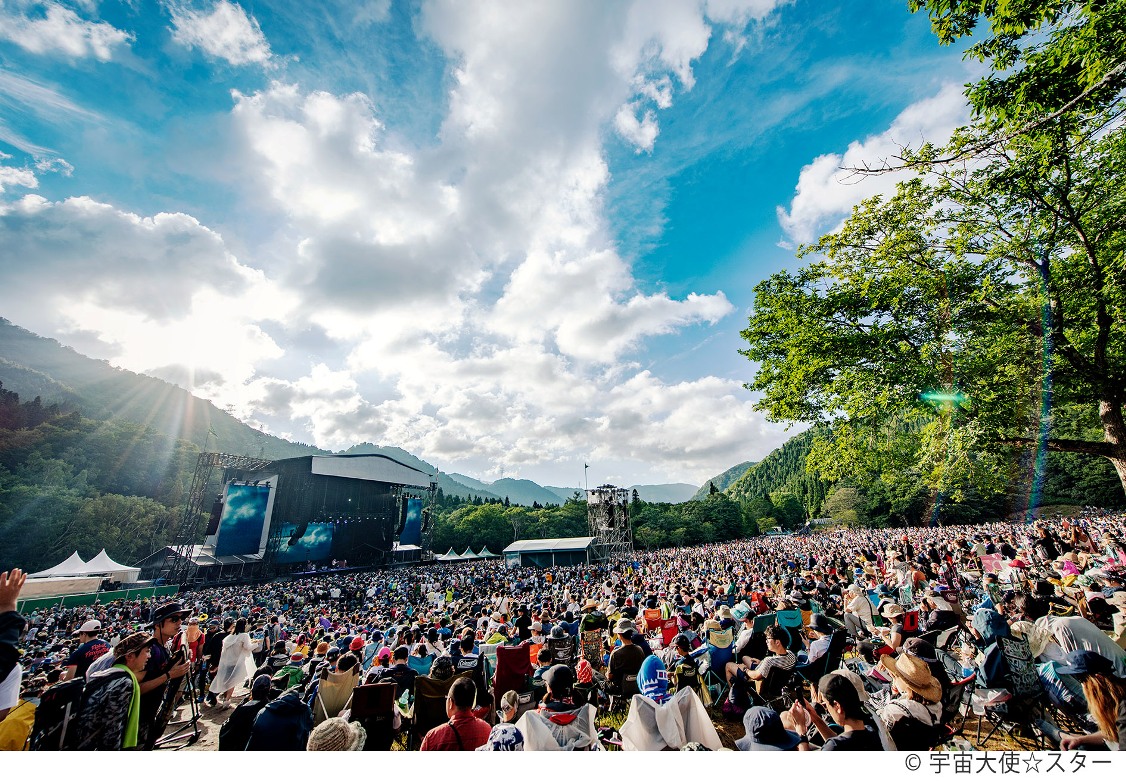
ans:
x=337 y=734
x=893 y=610
x=910 y=673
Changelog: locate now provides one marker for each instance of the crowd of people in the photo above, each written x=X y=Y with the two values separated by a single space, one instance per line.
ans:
x=839 y=640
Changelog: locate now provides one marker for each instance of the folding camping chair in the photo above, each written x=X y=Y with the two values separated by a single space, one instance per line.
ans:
x=514 y=673
x=373 y=706
x=429 y=706
x=830 y=661
x=1028 y=703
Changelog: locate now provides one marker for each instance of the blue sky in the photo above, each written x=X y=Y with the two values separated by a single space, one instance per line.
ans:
x=508 y=237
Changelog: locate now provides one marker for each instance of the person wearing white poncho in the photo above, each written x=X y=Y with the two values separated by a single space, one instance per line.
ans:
x=236 y=663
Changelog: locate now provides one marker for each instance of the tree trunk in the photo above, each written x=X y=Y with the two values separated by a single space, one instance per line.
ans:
x=1114 y=431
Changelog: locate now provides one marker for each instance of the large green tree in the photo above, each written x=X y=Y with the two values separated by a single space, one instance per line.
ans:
x=983 y=305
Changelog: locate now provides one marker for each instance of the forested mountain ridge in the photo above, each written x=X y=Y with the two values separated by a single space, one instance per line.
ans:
x=723 y=480
x=34 y=366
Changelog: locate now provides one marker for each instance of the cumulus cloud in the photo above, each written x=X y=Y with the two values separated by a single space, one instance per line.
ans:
x=224 y=32
x=826 y=192
x=11 y=176
x=48 y=27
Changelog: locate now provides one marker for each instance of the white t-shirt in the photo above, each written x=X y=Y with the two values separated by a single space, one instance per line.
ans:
x=10 y=688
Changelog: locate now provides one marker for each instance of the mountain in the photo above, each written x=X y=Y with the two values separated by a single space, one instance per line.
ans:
x=523 y=492
x=564 y=493
x=723 y=480
x=664 y=493
x=33 y=366
x=783 y=470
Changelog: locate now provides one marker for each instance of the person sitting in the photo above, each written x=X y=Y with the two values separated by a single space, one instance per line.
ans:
x=820 y=635
x=859 y=616
x=283 y=724
x=764 y=731
x=913 y=718
x=626 y=660
x=842 y=701
x=1106 y=699
x=754 y=670
x=462 y=731
x=543 y=663
x=400 y=672
x=235 y=732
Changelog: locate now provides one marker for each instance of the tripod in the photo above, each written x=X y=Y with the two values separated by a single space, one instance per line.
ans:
x=187 y=729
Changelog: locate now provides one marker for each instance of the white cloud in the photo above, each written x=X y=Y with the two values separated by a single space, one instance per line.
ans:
x=18 y=177
x=48 y=27
x=641 y=133
x=826 y=192
x=223 y=33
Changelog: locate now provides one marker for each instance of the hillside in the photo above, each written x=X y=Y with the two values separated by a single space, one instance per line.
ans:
x=35 y=366
x=723 y=480
x=783 y=471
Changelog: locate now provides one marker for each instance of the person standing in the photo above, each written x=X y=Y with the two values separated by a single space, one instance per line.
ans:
x=110 y=715
x=212 y=652
x=236 y=663
x=160 y=669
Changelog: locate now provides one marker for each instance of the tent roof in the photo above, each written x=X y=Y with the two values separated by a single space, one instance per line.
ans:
x=485 y=552
x=549 y=544
x=72 y=566
x=468 y=554
x=103 y=562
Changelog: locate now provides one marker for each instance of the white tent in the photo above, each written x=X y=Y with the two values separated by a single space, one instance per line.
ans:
x=102 y=563
x=486 y=553
x=468 y=554
x=72 y=566
x=451 y=555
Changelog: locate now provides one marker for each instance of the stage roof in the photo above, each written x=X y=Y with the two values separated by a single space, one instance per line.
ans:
x=549 y=545
x=370 y=467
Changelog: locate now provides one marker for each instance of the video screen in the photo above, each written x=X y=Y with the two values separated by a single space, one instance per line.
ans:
x=243 y=520
x=314 y=544
x=412 y=529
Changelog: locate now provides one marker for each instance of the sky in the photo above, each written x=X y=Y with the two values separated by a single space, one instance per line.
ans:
x=512 y=238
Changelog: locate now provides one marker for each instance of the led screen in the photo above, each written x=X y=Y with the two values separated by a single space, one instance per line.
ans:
x=243 y=520
x=412 y=529
x=315 y=544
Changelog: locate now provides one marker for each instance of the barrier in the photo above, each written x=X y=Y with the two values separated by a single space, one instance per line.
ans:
x=89 y=599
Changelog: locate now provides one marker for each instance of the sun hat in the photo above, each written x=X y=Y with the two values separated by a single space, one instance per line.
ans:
x=296 y=657
x=820 y=623
x=132 y=643
x=765 y=731
x=504 y=736
x=741 y=611
x=624 y=625
x=1085 y=662
x=557 y=632
x=559 y=679
x=322 y=648
x=168 y=611
x=725 y=613
x=893 y=610
x=911 y=673
x=337 y=734
x=357 y=644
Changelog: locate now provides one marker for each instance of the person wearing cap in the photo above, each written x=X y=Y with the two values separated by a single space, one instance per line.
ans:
x=463 y=730
x=110 y=714
x=820 y=634
x=160 y=669
x=90 y=648
x=337 y=734
x=626 y=660
x=1105 y=693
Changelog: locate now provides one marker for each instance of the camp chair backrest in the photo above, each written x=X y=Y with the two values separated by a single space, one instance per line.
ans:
x=805 y=615
x=721 y=639
x=562 y=650
x=777 y=679
x=630 y=687
x=57 y=707
x=685 y=675
x=421 y=664
x=534 y=652
x=333 y=694
x=789 y=618
x=911 y=621
x=514 y=670
x=430 y=703
x=762 y=622
x=952 y=699
x=669 y=630
x=652 y=619
x=373 y=706
x=1022 y=668
x=815 y=606
x=591 y=645
x=837 y=643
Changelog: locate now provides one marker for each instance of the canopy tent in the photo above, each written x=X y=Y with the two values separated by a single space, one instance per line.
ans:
x=468 y=554
x=72 y=566
x=102 y=563
x=486 y=553
x=451 y=555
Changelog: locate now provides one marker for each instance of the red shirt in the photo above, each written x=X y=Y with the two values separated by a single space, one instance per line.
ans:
x=473 y=732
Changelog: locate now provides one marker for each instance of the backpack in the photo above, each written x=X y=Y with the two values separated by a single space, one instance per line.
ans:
x=16 y=727
x=57 y=706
